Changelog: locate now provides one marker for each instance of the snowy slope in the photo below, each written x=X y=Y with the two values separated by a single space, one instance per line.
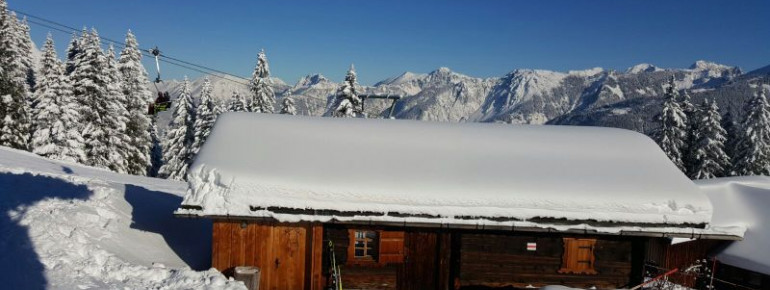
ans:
x=67 y=226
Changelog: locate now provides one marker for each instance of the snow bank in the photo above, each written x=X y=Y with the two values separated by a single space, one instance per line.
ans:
x=66 y=226
x=743 y=201
x=440 y=173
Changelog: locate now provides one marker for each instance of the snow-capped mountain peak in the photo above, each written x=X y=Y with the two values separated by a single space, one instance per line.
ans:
x=442 y=70
x=311 y=80
x=643 y=67
x=406 y=77
x=586 y=72
x=707 y=65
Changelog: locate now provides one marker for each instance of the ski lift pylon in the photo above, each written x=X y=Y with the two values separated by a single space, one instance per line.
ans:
x=393 y=98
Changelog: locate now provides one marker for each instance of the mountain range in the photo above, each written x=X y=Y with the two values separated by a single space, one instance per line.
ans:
x=626 y=99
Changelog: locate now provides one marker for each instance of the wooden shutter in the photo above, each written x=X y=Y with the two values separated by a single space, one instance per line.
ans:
x=391 y=247
x=578 y=257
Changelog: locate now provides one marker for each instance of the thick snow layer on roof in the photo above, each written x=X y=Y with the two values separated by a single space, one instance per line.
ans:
x=451 y=171
x=743 y=201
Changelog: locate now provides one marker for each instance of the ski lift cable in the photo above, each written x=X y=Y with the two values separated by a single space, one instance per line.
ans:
x=167 y=59
x=147 y=54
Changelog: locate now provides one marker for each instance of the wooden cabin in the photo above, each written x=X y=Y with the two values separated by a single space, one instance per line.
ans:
x=420 y=205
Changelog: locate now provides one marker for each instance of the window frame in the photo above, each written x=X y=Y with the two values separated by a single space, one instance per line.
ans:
x=372 y=246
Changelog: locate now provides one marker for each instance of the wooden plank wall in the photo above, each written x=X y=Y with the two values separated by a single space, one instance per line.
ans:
x=502 y=260
x=285 y=253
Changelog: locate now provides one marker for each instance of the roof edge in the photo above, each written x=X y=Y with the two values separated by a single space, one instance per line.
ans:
x=640 y=230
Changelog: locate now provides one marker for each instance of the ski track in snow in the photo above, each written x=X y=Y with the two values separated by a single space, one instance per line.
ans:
x=66 y=226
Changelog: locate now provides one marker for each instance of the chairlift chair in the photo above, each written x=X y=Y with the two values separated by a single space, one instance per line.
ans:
x=163 y=101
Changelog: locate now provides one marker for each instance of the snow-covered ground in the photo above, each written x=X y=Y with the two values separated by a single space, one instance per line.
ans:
x=67 y=226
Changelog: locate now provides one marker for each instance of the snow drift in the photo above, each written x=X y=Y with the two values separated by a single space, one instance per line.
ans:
x=743 y=201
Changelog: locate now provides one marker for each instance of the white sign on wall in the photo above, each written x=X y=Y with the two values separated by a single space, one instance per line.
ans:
x=531 y=247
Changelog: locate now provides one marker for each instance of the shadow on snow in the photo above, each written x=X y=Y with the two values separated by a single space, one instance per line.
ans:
x=19 y=264
x=153 y=211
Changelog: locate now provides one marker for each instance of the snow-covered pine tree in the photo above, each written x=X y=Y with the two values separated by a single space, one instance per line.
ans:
x=26 y=46
x=94 y=91
x=753 y=148
x=14 y=90
x=672 y=134
x=156 y=153
x=204 y=117
x=73 y=51
x=237 y=103
x=219 y=108
x=263 y=97
x=346 y=104
x=180 y=137
x=730 y=126
x=135 y=90
x=692 y=112
x=709 y=159
x=288 y=107
x=116 y=124
x=56 y=135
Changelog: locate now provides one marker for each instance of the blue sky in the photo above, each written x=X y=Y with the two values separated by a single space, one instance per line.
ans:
x=386 y=38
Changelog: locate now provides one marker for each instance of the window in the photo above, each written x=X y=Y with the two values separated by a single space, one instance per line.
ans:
x=364 y=244
x=578 y=257
x=375 y=247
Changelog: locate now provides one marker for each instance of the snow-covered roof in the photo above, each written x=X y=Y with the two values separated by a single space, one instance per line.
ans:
x=482 y=175
x=743 y=202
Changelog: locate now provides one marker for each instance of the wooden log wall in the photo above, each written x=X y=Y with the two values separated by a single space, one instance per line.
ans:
x=503 y=260
x=381 y=274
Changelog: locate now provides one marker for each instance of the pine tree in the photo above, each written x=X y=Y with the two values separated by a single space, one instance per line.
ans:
x=672 y=134
x=14 y=90
x=709 y=159
x=219 y=108
x=753 y=149
x=137 y=95
x=73 y=52
x=156 y=153
x=263 y=96
x=346 y=104
x=237 y=103
x=94 y=90
x=288 y=106
x=178 y=153
x=728 y=123
x=56 y=117
x=691 y=112
x=26 y=46
x=204 y=117
x=120 y=142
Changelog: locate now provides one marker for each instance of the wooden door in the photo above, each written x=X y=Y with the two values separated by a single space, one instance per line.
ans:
x=426 y=261
x=287 y=258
